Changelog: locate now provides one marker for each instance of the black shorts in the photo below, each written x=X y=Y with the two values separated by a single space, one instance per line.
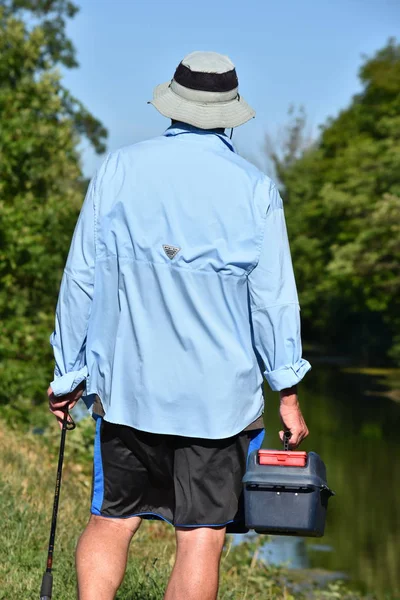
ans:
x=188 y=482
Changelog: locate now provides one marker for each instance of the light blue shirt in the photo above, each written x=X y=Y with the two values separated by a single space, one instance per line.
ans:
x=179 y=345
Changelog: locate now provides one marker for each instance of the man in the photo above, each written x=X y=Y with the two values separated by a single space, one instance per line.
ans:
x=177 y=294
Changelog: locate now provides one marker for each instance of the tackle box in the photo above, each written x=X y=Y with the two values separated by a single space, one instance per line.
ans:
x=286 y=493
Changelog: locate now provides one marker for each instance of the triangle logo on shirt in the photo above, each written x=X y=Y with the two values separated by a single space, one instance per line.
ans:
x=170 y=251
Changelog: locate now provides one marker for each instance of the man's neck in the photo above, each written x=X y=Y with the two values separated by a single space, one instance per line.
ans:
x=219 y=130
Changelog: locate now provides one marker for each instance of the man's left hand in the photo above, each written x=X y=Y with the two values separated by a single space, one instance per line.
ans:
x=59 y=404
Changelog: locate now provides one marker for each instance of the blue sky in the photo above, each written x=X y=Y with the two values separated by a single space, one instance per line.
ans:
x=301 y=52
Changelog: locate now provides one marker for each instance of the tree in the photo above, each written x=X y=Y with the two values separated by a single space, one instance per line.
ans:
x=49 y=16
x=40 y=187
x=343 y=210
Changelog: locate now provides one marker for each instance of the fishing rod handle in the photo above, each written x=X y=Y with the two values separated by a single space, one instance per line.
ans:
x=46 y=590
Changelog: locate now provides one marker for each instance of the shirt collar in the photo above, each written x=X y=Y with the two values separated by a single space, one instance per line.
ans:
x=182 y=128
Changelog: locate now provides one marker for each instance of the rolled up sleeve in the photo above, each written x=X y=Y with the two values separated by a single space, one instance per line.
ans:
x=74 y=303
x=275 y=311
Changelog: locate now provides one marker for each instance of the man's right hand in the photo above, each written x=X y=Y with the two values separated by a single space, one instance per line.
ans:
x=59 y=404
x=292 y=418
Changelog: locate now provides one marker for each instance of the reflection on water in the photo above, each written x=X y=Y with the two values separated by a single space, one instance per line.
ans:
x=290 y=551
x=279 y=550
x=357 y=436
x=320 y=547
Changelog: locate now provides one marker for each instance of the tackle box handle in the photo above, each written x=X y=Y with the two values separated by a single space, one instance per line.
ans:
x=286 y=439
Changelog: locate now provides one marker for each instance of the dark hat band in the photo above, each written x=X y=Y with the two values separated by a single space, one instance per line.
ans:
x=206 y=82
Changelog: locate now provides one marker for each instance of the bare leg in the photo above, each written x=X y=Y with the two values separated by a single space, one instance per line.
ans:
x=101 y=556
x=196 y=571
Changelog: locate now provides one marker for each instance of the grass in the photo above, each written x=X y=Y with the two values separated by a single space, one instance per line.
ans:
x=27 y=472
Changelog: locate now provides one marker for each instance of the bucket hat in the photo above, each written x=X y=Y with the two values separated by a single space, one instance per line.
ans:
x=204 y=92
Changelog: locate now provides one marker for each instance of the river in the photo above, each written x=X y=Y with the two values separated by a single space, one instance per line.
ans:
x=356 y=432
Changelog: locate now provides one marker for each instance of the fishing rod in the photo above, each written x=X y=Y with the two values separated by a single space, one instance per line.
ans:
x=46 y=589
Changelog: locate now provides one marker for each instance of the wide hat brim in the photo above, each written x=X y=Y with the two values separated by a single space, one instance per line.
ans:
x=205 y=115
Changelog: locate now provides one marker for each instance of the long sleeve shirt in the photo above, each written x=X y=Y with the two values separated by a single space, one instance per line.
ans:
x=178 y=293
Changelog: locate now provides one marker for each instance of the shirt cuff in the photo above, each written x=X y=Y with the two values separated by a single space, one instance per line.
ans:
x=68 y=382
x=287 y=376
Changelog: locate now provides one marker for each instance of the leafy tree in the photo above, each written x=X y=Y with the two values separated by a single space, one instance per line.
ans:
x=50 y=17
x=343 y=210
x=40 y=187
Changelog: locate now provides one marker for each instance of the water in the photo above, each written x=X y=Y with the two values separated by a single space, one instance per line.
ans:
x=357 y=434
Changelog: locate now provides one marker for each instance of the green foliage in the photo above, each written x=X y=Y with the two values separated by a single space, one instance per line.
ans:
x=51 y=14
x=343 y=211
x=40 y=193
